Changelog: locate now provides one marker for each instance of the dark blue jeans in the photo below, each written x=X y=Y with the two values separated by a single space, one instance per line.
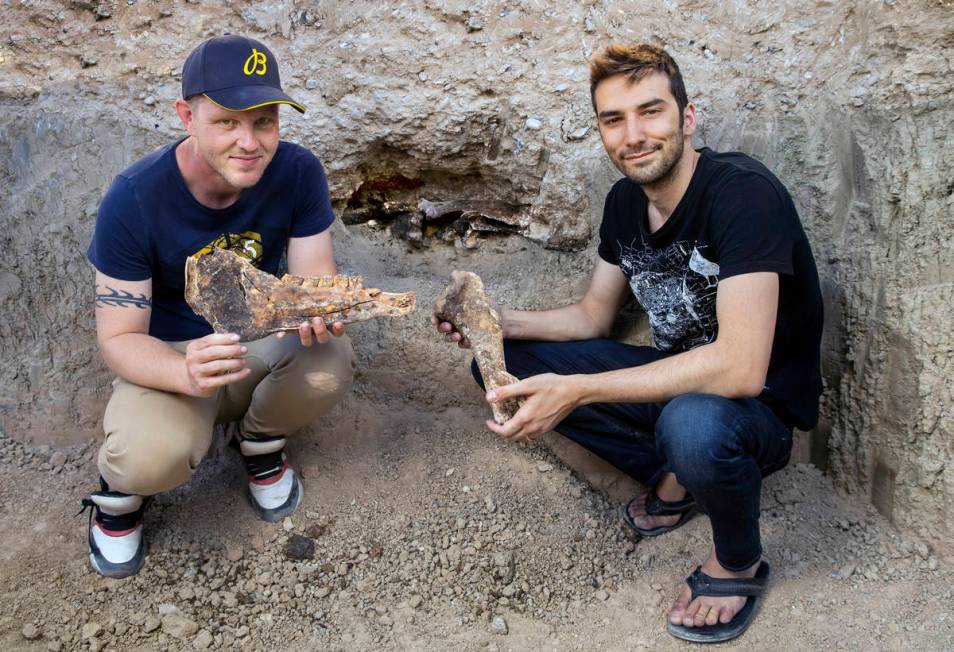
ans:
x=719 y=448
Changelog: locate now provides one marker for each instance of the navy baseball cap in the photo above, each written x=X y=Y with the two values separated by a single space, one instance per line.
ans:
x=235 y=72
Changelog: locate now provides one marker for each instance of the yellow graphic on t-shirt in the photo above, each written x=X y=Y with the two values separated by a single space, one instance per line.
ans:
x=248 y=245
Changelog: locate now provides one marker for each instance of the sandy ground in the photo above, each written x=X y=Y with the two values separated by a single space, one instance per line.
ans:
x=430 y=533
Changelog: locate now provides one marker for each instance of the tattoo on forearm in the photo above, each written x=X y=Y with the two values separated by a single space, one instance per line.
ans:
x=121 y=299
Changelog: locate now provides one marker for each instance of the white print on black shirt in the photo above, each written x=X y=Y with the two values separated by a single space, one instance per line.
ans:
x=676 y=286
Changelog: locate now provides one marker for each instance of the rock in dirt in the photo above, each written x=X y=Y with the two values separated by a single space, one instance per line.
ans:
x=178 y=626
x=299 y=547
x=506 y=566
x=30 y=632
x=91 y=630
x=203 y=640
x=499 y=626
x=234 y=552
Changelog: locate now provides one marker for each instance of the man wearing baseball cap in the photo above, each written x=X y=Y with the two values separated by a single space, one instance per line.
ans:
x=229 y=183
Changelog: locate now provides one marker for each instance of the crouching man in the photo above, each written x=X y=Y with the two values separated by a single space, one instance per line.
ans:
x=711 y=247
x=229 y=183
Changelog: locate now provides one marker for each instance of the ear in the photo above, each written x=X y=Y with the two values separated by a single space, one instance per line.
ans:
x=689 y=122
x=186 y=114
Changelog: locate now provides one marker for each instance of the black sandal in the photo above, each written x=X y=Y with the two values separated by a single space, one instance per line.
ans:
x=656 y=506
x=701 y=584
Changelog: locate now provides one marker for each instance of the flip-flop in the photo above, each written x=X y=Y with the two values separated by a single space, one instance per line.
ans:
x=656 y=506
x=701 y=584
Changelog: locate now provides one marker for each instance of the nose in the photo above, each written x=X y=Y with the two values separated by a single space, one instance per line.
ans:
x=246 y=138
x=634 y=131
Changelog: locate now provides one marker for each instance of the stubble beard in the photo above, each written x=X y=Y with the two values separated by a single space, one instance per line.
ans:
x=659 y=170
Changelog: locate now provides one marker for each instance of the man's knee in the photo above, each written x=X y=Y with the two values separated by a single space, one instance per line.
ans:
x=148 y=463
x=696 y=435
x=329 y=372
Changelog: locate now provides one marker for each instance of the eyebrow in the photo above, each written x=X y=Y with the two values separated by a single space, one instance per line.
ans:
x=641 y=107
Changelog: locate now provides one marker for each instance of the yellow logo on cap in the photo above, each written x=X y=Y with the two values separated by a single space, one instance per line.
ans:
x=255 y=64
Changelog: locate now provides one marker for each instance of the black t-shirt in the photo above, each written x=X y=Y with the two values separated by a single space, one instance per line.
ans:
x=735 y=218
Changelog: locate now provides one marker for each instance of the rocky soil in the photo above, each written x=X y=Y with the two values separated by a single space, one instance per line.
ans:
x=424 y=531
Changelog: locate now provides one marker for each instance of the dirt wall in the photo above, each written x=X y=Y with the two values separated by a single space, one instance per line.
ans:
x=849 y=103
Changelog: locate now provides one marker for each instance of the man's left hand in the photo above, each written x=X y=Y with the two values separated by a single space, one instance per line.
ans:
x=316 y=331
x=548 y=398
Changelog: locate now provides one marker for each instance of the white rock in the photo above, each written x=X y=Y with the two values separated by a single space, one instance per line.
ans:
x=499 y=626
x=90 y=630
x=202 y=640
x=178 y=626
x=30 y=632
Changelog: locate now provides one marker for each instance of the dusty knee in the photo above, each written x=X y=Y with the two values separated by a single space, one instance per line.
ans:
x=331 y=371
x=327 y=382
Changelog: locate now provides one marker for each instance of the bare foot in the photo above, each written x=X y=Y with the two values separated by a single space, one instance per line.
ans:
x=667 y=489
x=707 y=610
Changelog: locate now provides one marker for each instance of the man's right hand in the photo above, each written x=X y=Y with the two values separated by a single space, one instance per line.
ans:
x=450 y=332
x=214 y=361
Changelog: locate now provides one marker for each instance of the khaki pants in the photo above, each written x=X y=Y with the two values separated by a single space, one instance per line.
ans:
x=155 y=439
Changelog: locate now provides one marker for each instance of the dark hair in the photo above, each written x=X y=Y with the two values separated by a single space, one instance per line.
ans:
x=637 y=62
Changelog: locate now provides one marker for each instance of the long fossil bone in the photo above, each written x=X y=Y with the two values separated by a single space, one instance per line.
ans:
x=464 y=304
x=235 y=297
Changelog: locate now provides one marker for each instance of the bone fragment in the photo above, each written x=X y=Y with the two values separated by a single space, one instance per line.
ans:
x=235 y=297
x=464 y=304
x=470 y=209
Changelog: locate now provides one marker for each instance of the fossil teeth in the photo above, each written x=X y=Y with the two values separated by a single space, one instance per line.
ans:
x=235 y=297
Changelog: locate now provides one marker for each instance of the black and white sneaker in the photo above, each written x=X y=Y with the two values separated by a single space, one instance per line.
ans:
x=274 y=489
x=116 y=544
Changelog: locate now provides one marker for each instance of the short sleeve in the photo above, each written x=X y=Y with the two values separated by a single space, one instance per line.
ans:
x=313 y=212
x=608 y=248
x=750 y=227
x=119 y=245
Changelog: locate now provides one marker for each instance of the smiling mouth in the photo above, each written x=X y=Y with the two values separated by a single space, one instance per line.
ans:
x=639 y=155
x=246 y=161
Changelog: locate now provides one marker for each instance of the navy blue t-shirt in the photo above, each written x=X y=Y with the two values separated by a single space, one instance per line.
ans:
x=734 y=218
x=149 y=223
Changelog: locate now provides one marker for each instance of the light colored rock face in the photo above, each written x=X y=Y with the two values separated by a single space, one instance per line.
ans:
x=849 y=103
